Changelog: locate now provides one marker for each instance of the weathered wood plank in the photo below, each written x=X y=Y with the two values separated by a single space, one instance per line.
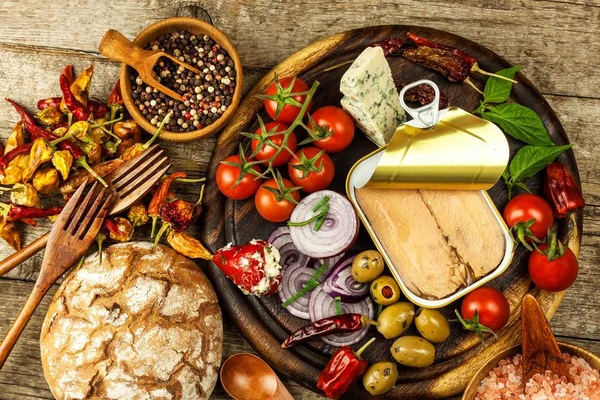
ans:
x=22 y=375
x=544 y=36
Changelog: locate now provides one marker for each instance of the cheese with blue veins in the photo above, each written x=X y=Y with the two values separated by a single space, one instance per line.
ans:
x=370 y=96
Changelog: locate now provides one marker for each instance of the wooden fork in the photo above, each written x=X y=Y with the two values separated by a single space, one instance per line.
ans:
x=70 y=237
x=118 y=48
x=131 y=181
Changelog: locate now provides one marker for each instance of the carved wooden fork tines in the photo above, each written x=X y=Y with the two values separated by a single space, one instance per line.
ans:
x=70 y=237
x=131 y=181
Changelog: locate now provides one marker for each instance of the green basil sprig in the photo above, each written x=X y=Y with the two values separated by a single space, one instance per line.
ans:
x=523 y=124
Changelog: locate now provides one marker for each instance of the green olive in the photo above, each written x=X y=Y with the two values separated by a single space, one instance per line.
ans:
x=367 y=266
x=385 y=290
x=432 y=325
x=413 y=351
x=394 y=320
x=380 y=377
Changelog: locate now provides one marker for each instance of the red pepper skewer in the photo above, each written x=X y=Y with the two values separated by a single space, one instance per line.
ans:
x=344 y=368
x=343 y=323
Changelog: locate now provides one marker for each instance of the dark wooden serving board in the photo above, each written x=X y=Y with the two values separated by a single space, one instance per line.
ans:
x=265 y=324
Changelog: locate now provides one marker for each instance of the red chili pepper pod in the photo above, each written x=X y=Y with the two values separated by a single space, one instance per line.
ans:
x=49 y=102
x=343 y=369
x=390 y=46
x=16 y=212
x=342 y=323
x=28 y=122
x=160 y=198
x=68 y=73
x=562 y=191
x=73 y=105
x=97 y=109
x=14 y=153
x=112 y=227
x=422 y=42
x=115 y=98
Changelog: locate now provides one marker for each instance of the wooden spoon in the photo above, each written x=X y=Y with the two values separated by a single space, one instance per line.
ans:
x=117 y=47
x=540 y=350
x=245 y=376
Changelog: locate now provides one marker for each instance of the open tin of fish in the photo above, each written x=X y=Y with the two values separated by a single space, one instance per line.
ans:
x=423 y=200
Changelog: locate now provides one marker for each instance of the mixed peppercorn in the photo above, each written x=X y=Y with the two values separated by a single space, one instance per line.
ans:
x=206 y=96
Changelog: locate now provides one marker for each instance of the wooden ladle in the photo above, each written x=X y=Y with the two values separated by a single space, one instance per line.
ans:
x=245 y=376
x=540 y=350
x=118 y=48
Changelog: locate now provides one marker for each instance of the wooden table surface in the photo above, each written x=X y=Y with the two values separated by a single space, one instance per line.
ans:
x=556 y=41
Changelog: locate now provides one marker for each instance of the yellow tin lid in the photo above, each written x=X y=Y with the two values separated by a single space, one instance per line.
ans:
x=451 y=150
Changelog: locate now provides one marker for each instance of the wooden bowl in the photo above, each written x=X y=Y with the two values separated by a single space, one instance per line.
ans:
x=197 y=27
x=473 y=385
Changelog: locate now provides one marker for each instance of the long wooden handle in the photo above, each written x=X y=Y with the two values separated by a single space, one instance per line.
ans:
x=26 y=252
x=36 y=296
x=118 y=48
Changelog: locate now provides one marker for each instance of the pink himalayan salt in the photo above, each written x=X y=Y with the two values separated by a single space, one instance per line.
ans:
x=504 y=382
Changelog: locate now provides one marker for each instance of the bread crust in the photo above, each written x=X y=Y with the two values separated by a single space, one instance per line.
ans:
x=145 y=324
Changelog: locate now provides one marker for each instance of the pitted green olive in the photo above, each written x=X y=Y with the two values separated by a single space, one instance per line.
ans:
x=380 y=377
x=432 y=325
x=394 y=320
x=413 y=351
x=367 y=266
x=385 y=290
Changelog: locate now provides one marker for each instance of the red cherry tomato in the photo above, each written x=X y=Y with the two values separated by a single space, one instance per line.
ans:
x=524 y=208
x=276 y=207
x=266 y=151
x=284 y=98
x=335 y=125
x=492 y=307
x=310 y=170
x=553 y=275
x=227 y=175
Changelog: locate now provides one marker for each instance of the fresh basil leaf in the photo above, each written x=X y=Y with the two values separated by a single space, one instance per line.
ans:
x=520 y=122
x=498 y=90
x=532 y=159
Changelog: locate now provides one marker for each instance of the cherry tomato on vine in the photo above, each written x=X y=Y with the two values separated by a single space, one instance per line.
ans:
x=265 y=150
x=529 y=217
x=276 y=201
x=281 y=102
x=485 y=307
x=334 y=126
x=236 y=169
x=553 y=268
x=312 y=169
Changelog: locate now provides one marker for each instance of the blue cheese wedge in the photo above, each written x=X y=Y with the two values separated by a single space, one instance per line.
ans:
x=370 y=96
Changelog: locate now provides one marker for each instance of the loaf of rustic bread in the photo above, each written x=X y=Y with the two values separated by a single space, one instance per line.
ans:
x=144 y=324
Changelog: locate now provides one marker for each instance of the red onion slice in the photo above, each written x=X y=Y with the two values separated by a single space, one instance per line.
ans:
x=338 y=232
x=341 y=282
x=321 y=305
x=293 y=279
x=329 y=261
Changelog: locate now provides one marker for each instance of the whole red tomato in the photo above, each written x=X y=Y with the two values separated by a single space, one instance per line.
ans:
x=266 y=151
x=529 y=217
x=281 y=102
x=275 y=202
x=553 y=273
x=492 y=308
x=311 y=169
x=229 y=172
x=334 y=126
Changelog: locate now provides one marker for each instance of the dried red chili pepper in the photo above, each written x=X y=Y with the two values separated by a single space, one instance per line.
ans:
x=73 y=105
x=30 y=125
x=343 y=369
x=343 y=323
x=562 y=191
x=469 y=60
x=179 y=214
x=14 y=153
x=15 y=212
x=160 y=198
x=452 y=66
x=68 y=73
x=111 y=226
x=115 y=98
x=97 y=109
x=49 y=102
x=390 y=46
x=63 y=124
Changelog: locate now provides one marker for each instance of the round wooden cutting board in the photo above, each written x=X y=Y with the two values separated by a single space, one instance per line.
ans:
x=265 y=324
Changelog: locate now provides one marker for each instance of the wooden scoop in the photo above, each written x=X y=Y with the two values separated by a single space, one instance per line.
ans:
x=540 y=350
x=118 y=48
x=245 y=376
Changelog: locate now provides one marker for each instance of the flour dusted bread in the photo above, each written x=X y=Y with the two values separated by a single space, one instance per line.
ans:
x=144 y=324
